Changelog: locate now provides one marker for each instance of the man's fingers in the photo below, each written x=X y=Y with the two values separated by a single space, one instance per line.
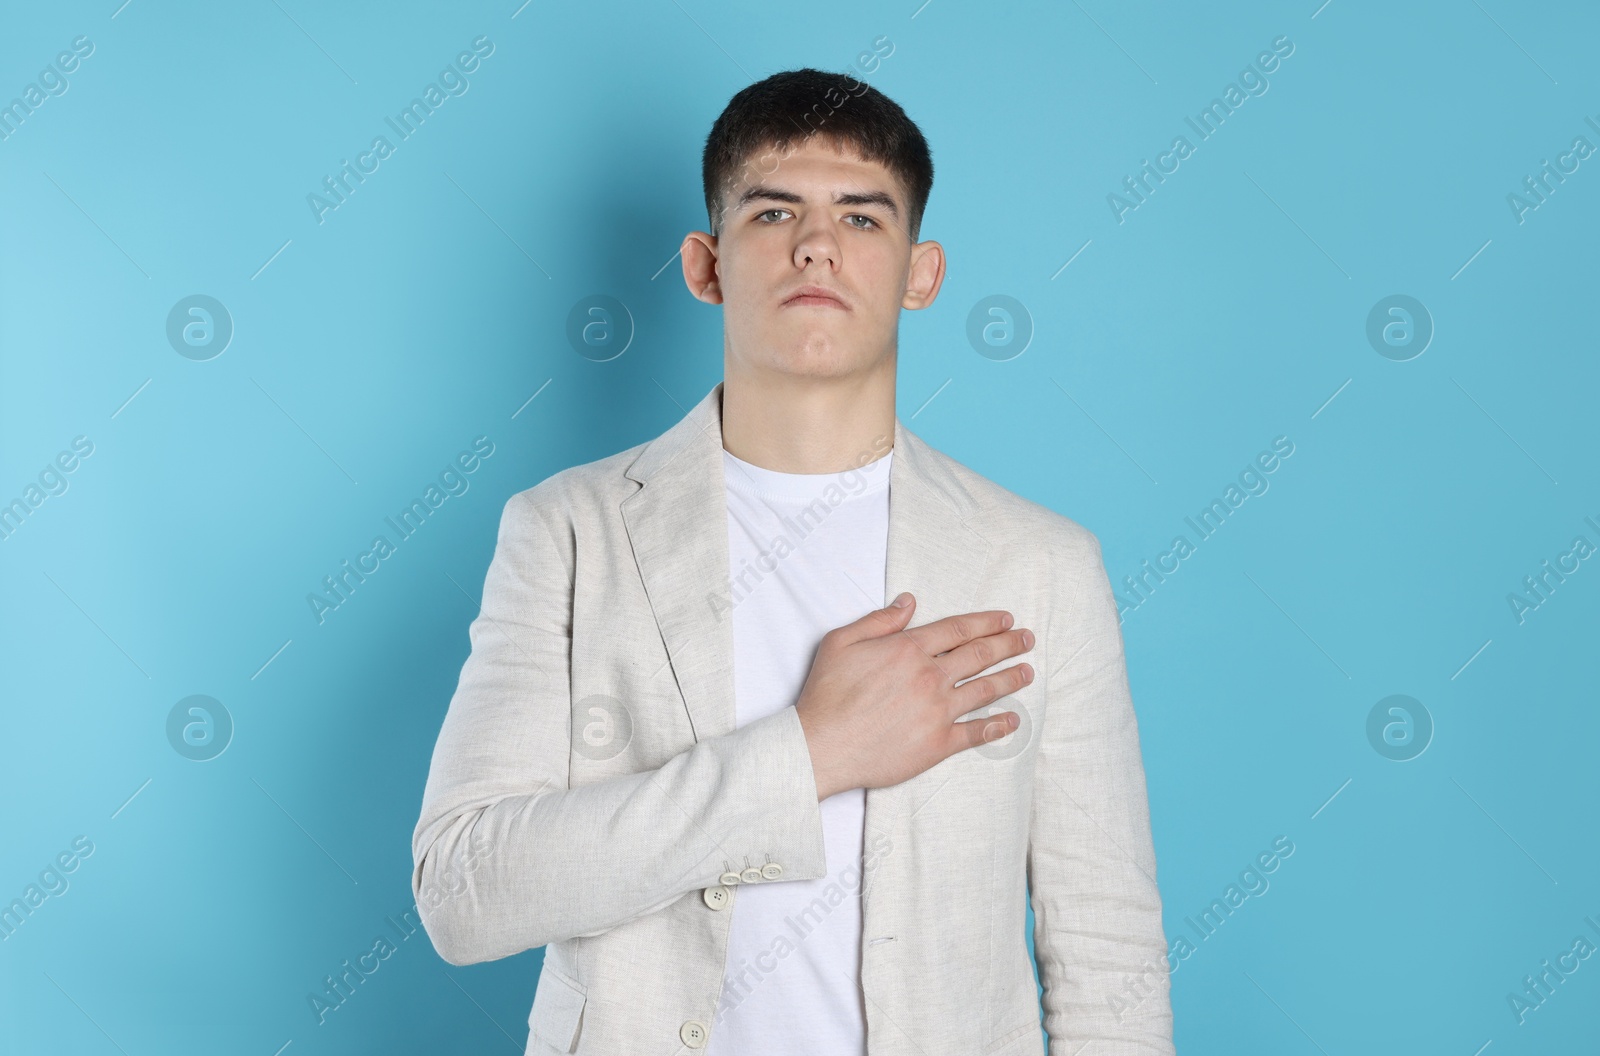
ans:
x=941 y=636
x=974 y=732
x=964 y=661
x=980 y=692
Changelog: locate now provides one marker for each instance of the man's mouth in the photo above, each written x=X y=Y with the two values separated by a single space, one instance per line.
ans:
x=817 y=296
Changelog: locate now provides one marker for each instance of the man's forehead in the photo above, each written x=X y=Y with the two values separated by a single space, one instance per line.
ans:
x=802 y=168
x=818 y=147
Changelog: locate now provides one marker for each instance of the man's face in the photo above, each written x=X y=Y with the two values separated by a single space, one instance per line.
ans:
x=812 y=216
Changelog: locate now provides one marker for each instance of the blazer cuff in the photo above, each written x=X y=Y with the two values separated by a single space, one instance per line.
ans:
x=774 y=760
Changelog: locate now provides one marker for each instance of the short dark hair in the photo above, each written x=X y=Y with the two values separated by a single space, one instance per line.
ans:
x=798 y=104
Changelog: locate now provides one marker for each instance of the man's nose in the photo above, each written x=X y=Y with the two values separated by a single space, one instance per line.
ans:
x=816 y=245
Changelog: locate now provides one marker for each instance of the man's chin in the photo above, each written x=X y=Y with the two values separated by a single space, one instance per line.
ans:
x=817 y=359
x=798 y=353
x=820 y=348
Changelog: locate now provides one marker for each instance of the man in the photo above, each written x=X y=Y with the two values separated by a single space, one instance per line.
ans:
x=727 y=742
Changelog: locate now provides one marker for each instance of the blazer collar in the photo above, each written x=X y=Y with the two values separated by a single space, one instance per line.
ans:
x=677 y=525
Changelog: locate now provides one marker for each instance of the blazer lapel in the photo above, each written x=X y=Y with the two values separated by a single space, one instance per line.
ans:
x=678 y=528
x=936 y=556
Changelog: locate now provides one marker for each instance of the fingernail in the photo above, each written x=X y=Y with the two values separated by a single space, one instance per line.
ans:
x=903 y=600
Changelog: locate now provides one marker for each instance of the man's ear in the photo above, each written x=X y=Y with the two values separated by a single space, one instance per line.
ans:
x=699 y=251
x=926 y=276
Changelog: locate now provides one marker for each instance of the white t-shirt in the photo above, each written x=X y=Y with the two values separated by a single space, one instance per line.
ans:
x=806 y=554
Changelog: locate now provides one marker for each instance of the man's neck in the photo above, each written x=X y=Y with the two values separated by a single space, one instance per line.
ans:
x=793 y=424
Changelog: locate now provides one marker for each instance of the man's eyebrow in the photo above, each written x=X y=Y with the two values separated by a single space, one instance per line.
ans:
x=870 y=198
x=770 y=194
x=773 y=194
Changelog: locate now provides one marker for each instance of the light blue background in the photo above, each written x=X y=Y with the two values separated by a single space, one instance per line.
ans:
x=1228 y=309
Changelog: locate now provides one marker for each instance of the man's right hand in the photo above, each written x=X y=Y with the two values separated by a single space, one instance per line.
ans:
x=881 y=702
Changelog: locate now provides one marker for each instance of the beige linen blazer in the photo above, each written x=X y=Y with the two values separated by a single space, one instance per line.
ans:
x=589 y=792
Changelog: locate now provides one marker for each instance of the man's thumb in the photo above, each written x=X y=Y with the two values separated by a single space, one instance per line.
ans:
x=892 y=617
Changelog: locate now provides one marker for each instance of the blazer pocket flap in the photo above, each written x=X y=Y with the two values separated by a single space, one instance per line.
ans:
x=557 y=1008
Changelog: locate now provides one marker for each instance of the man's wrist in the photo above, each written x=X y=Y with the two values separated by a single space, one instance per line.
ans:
x=828 y=783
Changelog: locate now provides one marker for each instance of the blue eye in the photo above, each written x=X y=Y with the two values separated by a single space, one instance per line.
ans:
x=761 y=216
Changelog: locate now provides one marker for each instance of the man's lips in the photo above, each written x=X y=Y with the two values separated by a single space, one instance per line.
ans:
x=816 y=296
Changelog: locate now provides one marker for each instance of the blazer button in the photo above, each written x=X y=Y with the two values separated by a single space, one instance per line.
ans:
x=717 y=897
x=771 y=871
x=729 y=879
x=751 y=875
x=693 y=1034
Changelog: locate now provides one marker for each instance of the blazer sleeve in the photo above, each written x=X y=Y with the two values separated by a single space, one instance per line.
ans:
x=508 y=857
x=1098 y=936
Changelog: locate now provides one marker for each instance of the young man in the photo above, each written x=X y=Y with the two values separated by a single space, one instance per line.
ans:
x=730 y=740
